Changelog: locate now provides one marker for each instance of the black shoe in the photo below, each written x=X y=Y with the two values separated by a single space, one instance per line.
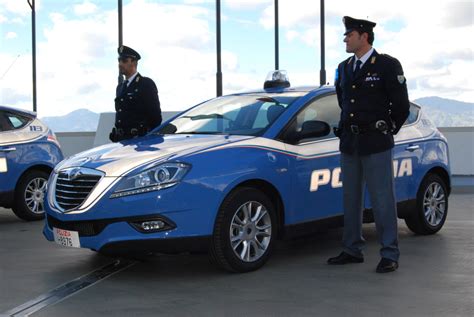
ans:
x=345 y=258
x=386 y=265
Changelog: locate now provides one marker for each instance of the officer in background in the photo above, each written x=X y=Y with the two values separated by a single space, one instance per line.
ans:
x=372 y=94
x=136 y=104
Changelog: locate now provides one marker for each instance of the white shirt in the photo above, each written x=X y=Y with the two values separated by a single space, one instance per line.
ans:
x=131 y=79
x=363 y=58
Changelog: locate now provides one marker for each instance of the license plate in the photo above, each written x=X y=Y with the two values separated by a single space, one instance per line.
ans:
x=3 y=165
x=66 y=238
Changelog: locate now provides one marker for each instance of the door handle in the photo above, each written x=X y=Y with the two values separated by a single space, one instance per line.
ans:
x=8 y=149
x=412 y=148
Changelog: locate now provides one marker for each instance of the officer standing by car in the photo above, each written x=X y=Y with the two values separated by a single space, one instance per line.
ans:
x=372 y=94
x=137 y=104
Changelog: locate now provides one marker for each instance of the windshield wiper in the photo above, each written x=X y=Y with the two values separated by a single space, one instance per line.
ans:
x=198 y=132
x=207 y=116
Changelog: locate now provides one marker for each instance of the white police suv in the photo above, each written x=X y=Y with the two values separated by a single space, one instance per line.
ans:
x=232 y=175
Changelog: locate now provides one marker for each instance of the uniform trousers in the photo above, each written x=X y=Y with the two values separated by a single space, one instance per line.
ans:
x=375 y=171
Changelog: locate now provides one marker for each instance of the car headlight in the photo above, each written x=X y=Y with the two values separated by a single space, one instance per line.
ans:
x=155 y=178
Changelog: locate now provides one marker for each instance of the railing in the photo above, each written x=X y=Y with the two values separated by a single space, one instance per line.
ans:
x=460 y=140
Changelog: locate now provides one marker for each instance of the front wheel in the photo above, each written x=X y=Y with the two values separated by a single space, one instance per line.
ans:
x=29 y=195
x=431 y=206
x=244 y=231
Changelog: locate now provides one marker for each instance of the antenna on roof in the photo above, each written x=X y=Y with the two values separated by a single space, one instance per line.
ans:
x=9 y=67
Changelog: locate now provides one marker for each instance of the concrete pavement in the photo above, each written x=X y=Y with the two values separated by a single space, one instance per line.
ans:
x=436 y=277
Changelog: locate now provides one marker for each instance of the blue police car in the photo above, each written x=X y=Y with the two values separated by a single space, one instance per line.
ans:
x=231 y=176
x=28 y=153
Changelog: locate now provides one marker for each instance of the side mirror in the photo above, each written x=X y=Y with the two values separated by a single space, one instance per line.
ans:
x=313 y=129
x=168 y=129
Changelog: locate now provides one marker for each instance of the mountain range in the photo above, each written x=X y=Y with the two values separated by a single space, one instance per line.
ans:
x=443 y=112
x=447 y=112
x=79 y=120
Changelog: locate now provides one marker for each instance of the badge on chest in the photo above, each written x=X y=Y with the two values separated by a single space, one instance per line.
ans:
x=372 y=77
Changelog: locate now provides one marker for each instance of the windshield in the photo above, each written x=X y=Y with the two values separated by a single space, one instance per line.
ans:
x=240 y=115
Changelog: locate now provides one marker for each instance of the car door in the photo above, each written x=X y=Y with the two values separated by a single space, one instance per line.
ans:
x=10 y=149
x=315 y=164
x=407 y=155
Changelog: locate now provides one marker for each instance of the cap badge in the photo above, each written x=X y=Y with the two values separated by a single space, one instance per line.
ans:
x=401 y=79
x=121 y=49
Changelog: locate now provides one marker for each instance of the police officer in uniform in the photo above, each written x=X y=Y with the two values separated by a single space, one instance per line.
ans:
x=136 y=104
x=372 y=94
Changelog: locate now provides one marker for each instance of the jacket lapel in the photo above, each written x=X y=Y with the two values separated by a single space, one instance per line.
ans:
x=134 y=82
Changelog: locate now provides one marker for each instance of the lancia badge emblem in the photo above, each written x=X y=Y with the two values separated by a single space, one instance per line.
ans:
x=74 y=173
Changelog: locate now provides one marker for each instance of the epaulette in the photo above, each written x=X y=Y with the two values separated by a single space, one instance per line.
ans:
x=388 y=56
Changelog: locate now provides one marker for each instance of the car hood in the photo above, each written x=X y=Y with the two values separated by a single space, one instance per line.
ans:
x=118 y=158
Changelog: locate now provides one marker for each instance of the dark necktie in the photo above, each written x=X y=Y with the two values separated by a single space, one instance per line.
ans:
x=357 y=68
x=124 y=87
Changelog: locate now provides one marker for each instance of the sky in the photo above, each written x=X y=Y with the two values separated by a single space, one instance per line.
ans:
x=77 y=47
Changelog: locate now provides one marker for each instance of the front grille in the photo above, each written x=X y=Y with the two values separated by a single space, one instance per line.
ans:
x=84 y=228
x=71 y=193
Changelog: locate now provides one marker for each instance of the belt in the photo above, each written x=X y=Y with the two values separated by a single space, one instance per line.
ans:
x=379 y=126
x=127 y=132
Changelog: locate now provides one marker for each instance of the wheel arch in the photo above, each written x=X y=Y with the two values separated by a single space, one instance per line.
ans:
x=40 y=167
x=443 y=173
x=271 y=192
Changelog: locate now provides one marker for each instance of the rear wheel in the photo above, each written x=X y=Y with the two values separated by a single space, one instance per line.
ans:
x=431 y=206
x=29 y=195
x=244 y=231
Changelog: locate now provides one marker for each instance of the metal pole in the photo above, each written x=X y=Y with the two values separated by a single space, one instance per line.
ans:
x=322 y=73
x=277 y=49
x=33 y=45
x=120 y=34
x=218 y=45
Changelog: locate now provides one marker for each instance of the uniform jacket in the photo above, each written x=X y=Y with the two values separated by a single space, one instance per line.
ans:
x=377 y=92
x=138 y=107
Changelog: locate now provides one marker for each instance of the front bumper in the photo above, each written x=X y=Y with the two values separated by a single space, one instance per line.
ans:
x=121 y=236
x=188 y=210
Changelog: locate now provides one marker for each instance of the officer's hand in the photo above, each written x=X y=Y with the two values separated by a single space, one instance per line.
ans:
x=113 y=135
x=142 y=130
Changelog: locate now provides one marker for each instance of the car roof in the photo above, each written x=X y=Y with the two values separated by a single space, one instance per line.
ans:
x=20 y=111
x=306 y=89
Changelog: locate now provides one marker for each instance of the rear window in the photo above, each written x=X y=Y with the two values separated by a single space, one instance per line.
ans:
x=12 y=121
x=413 y=115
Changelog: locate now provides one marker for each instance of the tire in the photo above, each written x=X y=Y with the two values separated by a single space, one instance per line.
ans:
x=431 y=206
x=29 y=195
x=244 y=231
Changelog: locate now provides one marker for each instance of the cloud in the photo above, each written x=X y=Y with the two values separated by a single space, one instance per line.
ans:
x=246 y=4
x=459 y=14
x=21 y=8
x=85 y=8
x=11 y=35
x=88 y=88
x=430 y=46
x=10 y=96
x=77 y=64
